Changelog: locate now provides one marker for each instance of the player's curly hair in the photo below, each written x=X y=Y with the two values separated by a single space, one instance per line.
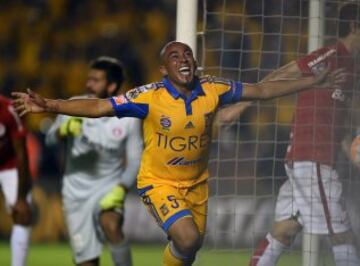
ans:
x=348 y=13
x=113 y=68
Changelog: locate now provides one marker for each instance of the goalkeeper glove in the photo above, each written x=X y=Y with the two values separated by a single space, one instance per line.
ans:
x=114 y=200
x=72 y=127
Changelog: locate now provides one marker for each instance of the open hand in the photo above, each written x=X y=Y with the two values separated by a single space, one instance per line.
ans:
x=29 y=102
x=331 y=79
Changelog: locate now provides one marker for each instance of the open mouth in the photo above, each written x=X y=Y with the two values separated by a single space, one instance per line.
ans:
x=185 y=71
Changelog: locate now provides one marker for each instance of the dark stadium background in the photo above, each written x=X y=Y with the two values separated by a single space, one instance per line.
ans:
x=47 y=46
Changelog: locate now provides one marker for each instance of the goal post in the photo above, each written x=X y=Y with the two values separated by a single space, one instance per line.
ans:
x=186 y=23
x=311 y=242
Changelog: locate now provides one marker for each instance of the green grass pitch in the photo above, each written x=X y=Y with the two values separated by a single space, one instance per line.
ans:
x=143 y=255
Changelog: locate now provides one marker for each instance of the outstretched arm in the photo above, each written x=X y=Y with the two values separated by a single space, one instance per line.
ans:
x=32 y=102
x=288 y=71
x=279 y=84
x=229 y=114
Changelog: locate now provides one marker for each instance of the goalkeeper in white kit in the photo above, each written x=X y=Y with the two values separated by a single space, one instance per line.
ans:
x=102 y=161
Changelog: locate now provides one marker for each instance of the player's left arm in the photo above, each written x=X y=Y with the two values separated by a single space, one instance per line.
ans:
x=229 y=114
x=21 y=211
x=134 y=147
x=280 y=87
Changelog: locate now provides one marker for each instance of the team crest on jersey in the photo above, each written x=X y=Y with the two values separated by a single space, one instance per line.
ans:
x=2 y=130
x=165 y=122
x=119 y=100
x=117 y=132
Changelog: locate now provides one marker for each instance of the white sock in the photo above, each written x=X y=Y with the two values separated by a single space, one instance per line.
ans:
x=121 y=254
x=19 y=240
x=271 y=253
x=345 y=255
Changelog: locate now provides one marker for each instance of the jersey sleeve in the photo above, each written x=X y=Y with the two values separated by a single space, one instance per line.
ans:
x=315 y=62
x=15 y=124
x=135 y=103
x=228 y=91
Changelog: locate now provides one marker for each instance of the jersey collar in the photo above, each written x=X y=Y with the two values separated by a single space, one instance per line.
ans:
x=197 y=91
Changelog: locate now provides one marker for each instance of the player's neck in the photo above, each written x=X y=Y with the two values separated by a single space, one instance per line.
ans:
x=183 y=89
x=347 y=42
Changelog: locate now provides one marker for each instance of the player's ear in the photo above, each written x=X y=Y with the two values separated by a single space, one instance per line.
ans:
x=163 y=70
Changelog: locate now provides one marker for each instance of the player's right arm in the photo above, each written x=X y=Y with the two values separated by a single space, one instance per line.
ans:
x=119 y=106
x=32 y=102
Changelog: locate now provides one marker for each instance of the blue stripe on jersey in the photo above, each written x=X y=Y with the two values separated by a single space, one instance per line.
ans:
x=172 y=219
x=233 y=95
x=142 y=191
x=130 y=109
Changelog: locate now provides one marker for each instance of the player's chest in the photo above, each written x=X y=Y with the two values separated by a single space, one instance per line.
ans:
x=106 y=132
x=179 y=117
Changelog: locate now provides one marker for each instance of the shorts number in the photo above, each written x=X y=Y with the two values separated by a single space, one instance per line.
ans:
x=172 y=199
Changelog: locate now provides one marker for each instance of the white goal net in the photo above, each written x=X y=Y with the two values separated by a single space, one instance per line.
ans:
x=245 y=40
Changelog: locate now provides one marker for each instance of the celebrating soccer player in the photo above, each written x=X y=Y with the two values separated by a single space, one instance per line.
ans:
x=177 y=116
x=15 y=179
x=311 y=198
x=98 y=175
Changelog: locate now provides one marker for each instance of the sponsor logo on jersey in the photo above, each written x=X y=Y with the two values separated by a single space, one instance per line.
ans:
x=182 y=161
x=218 y=80
x=119 y=100
x=321 y=57
x=189 y=125
x=134 y=93
x=2 y=130
x=180 y=143
x=165 y=122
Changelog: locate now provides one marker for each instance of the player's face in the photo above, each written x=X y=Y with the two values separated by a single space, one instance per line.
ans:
x=179 y=64
x=97 y=83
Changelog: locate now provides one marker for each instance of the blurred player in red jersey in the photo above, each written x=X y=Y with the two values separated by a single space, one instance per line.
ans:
x=15 y=178
x=311 y=199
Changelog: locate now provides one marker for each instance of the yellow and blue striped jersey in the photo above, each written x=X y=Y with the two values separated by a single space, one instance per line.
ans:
x=177 y=129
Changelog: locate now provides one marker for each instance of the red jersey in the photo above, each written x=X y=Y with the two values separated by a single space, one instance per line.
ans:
x=320 y=115
x=11 y=127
